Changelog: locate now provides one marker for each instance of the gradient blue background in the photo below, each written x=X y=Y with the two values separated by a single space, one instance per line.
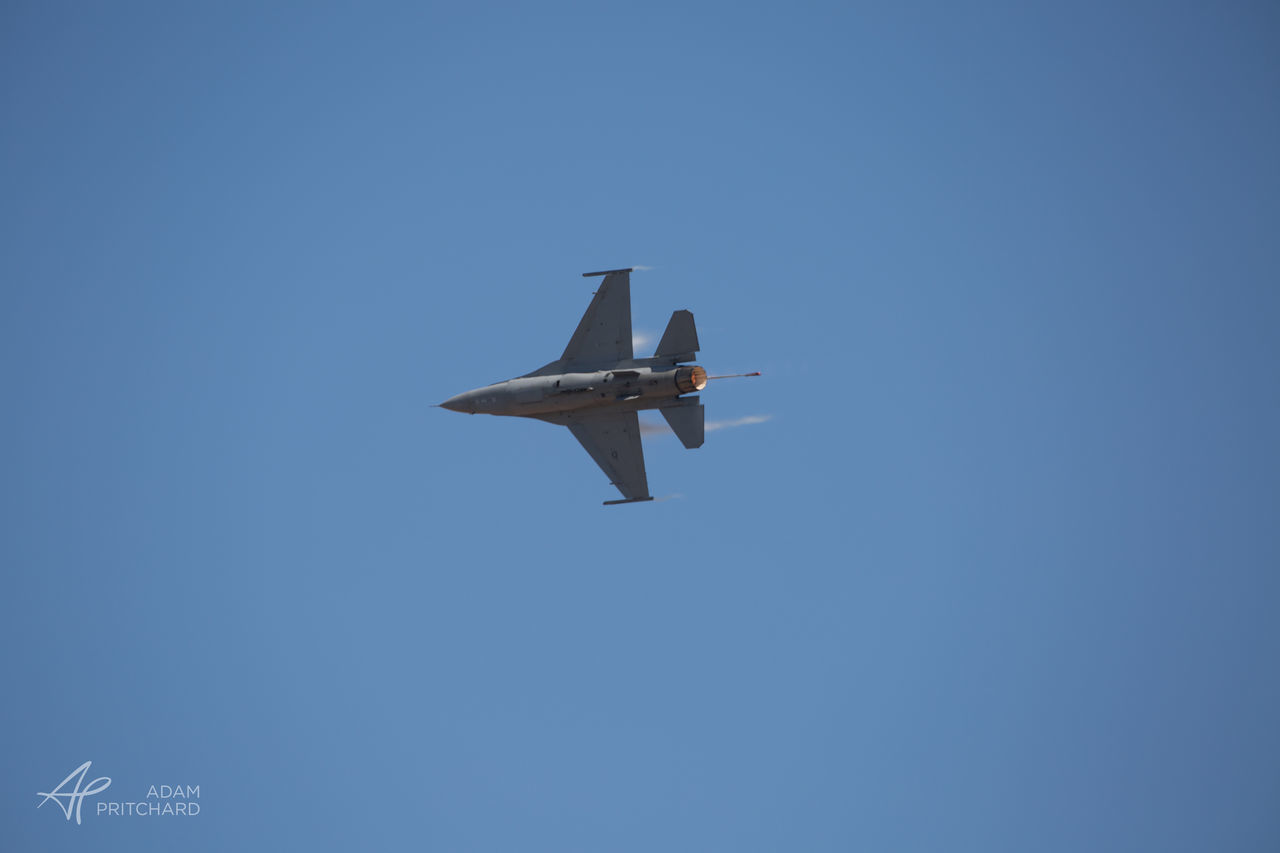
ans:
x=1000 y=572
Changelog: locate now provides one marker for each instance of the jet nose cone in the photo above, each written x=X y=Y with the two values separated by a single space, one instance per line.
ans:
x=459 y=403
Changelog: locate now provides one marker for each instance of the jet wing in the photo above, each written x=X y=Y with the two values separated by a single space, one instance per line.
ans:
x=613 y=440
x=603 y=335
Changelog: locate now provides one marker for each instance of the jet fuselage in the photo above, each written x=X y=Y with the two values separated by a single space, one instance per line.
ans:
x=632 y=388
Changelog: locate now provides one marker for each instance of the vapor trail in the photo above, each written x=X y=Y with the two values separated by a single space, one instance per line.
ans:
x=736 y=422
x=661 y=428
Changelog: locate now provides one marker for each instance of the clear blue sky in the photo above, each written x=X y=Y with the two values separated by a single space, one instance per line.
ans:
x=1001 y=571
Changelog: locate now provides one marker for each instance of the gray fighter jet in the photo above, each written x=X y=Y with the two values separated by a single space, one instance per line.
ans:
x=597 y=385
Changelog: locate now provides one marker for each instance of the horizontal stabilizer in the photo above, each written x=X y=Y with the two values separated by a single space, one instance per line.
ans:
x=606 y=272
x=627 y=501
x=686 y=421
x=680 y=340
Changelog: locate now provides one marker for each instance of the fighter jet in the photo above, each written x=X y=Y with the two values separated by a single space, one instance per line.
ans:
x=597 y=385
